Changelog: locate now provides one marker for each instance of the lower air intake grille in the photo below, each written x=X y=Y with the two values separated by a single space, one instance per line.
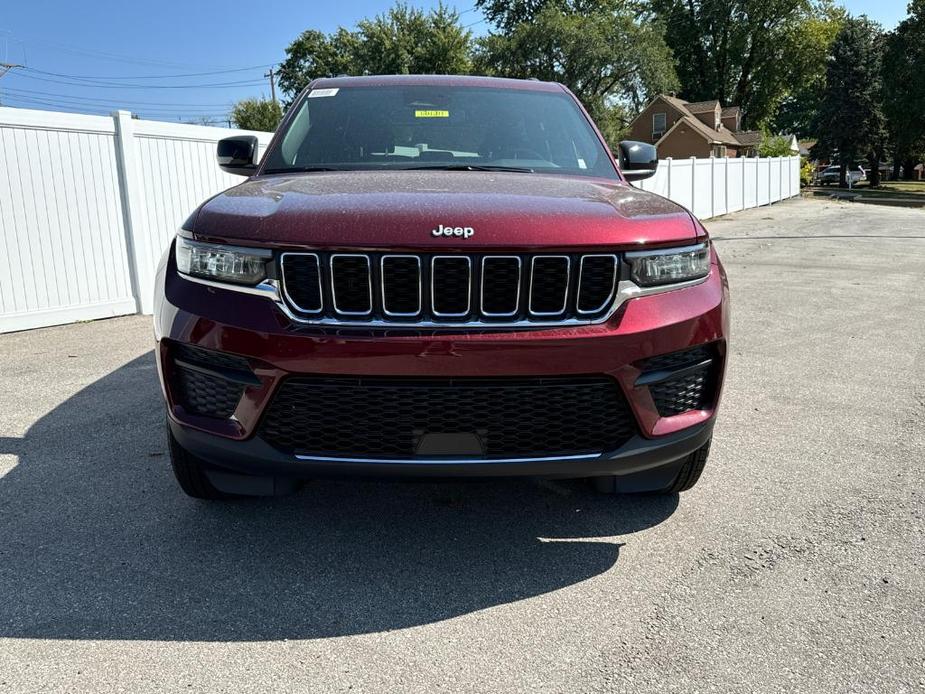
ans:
x=206 y=395
x=690 y=392
x=690 y=389
x=201 y=392
x=393 y=418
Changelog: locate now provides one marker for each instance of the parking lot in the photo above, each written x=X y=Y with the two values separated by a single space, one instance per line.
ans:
x=797 y=563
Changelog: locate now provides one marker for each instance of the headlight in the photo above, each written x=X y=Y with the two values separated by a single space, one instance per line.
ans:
x=669 y=266
x=222 y=263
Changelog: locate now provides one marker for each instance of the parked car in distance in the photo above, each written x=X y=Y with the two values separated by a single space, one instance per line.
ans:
x=434 y=276
x=831 y=174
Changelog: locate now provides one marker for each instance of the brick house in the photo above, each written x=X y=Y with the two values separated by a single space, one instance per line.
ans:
x=683 y=129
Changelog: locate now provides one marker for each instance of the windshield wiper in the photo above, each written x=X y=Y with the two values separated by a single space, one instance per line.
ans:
x=468 y=167
x=301 y=169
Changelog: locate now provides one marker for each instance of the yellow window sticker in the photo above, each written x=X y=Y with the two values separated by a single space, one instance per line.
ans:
x=430 y=113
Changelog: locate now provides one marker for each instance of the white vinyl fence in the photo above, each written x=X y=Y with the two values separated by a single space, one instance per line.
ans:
x=711 y=187
x=89 y=203
x=87 y=206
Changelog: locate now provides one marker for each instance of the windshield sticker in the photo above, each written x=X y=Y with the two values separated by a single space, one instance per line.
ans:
x=317 y=93
x=431 y=114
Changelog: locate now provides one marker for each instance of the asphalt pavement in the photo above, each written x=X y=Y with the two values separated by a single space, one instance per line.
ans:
x=796 y=565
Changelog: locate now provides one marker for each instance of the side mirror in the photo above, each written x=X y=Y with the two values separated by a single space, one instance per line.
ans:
x=638 y=160
x=238 y=155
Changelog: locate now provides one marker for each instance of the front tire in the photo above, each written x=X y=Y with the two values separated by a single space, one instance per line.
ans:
x=190 y=474
x=691 y=468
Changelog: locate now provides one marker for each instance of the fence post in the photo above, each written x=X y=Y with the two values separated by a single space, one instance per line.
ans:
x=694 y=185
x=712 y=186
x=744 y=162
x=783 y=170
x=770 y=188
x=141 y=265
x=726 y=186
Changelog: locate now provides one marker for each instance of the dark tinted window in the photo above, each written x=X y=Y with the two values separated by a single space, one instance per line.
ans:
x=413 y=126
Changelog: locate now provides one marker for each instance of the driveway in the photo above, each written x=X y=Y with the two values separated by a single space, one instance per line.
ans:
x=795 y=565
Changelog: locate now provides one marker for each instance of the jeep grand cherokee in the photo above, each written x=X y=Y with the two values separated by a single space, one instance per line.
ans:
x=439 y=276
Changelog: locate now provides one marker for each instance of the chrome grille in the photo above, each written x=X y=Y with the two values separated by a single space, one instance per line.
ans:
x=405 y=289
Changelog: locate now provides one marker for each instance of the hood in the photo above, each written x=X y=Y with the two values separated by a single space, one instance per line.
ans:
x=400 y=209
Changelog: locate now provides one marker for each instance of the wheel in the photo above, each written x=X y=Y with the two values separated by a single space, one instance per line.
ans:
x=188 y=469
x=691 y=468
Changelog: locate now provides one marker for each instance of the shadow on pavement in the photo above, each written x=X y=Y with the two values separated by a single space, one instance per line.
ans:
x=97 y=542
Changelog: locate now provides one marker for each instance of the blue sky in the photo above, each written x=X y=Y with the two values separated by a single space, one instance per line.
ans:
x=124 y=50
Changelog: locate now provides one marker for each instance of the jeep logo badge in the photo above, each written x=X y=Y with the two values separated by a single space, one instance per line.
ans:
x=465 y=232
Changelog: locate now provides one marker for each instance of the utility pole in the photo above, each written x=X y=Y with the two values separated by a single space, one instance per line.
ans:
x=272 y=76
x=5 y=68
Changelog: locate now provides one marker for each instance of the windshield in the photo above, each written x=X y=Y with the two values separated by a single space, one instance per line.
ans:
x=405 y=127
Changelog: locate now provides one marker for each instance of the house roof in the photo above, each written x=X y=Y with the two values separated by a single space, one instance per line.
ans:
x=679 y=104
x=725 y=137
x=702 y=106
x=687 y=110
x=721 y=137
x=730 y=111
x=748 y=138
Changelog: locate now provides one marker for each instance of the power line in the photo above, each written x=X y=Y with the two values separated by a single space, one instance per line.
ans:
x=26 y=102
x=122 y=100
x=115 y=57
x=6 y=67
x=150 y=77
x=106 y=85
x=111 y=106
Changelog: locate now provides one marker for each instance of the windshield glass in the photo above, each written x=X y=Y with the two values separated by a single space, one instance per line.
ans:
x=404 y=127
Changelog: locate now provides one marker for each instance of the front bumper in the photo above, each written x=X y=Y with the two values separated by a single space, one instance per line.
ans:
x=254 y=467
x=254 y=328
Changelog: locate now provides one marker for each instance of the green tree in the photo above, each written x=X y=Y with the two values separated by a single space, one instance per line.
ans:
x=256 y=114
x=774 y=145
x=612 y=58
x=751 y=53
x=404 y=40
x=904 y=88
x=808 y=45
x=505 y=15
x=850 y=120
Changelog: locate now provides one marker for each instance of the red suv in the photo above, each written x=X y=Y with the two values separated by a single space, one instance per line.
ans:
x=439 y=276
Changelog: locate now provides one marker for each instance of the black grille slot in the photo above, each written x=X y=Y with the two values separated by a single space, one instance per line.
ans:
x=388 y=418
x=549 y=285
x=204 y=393
x=596 y=283
x=451 y=286
x=208 y=357
x=351 y=285
x=401 y=285
x=302 y=277
x=678 y=360
x=500 y=285
x=691 y=388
